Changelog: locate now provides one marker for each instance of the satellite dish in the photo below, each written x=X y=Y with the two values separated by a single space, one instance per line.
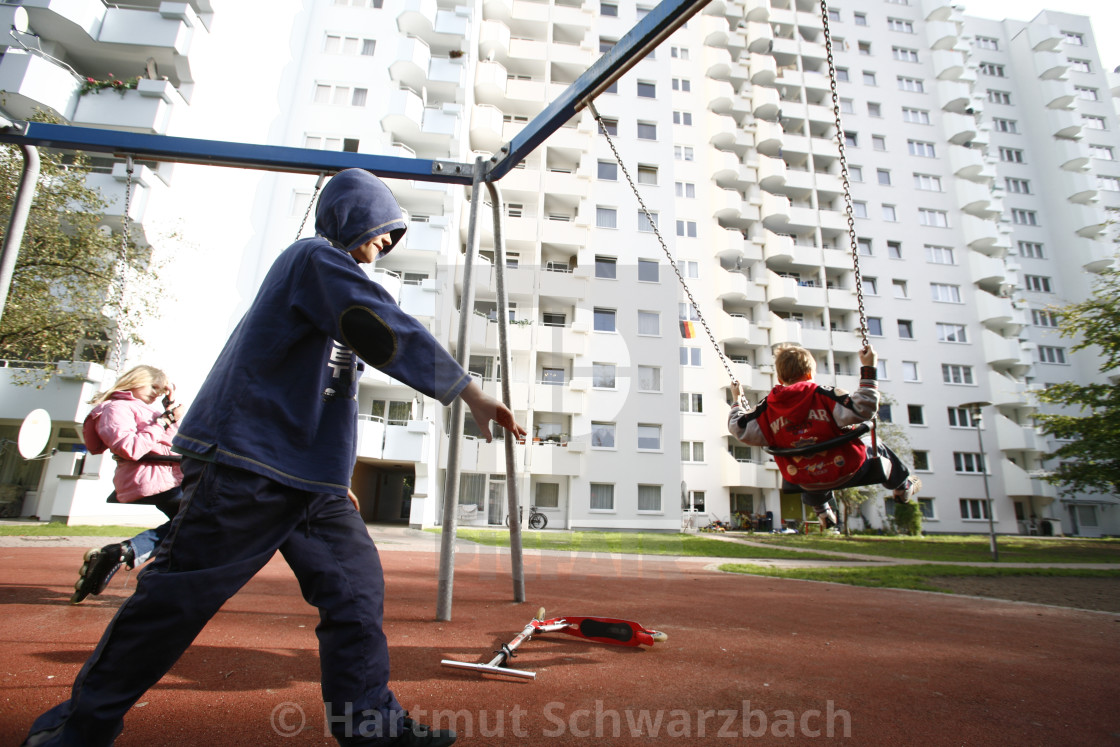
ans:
x=34 y=433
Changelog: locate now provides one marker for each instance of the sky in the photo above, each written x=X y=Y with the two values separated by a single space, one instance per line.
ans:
x=1104 y=15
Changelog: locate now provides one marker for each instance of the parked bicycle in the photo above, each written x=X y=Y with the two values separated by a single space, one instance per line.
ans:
x=537 y=520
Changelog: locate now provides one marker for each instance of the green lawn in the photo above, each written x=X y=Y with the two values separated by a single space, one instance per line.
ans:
x=54 y=529
x=906 y=576
x=638 y=543
x=955 y=548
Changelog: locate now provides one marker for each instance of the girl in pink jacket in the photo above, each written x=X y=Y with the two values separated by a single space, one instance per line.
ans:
x=124 y=422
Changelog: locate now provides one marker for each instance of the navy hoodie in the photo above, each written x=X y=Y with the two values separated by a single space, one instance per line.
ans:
x=281 y=399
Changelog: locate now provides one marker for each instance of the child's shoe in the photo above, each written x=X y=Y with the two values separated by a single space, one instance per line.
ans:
x=98 y=567
x=908 y=490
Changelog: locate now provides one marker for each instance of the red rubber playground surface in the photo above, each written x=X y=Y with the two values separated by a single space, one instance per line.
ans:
x=747 y=658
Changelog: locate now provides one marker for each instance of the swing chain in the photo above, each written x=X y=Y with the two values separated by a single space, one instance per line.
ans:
x=660 y=240
x=849 y=208
x=311 y=203
x=115 y=361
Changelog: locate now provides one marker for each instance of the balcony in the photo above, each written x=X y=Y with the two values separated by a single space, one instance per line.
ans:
x=985 y=270
x=1058 y=94
x=486 y=132
x=1071 y=155
x=819 y=338
x=547 y=458
x=760 y=37
x=1005 y=391
x=762 y=69
x=419 y=299
x=490 y=81
x=146 y=109
x=1051 y=65
x=992 y=310
x=1004 y=352
x=948 y=64
x=746 y=474
x=968 y=163
x=1015 y=437
x=1063 y=123
x=734 y=286
x=942 y=35
x=112 y=186
x=31 y=82
x=1088 y=221
x=397 y=443
x=569 y=398
x=975 y=199
x=63 y=396
x=781 y=290
x=959 y=129
x=955 y=96
x=572 y=341
x=775 y=212
x=410 y=66
x=767 y=103
x=979 y=234
x=1020 y=483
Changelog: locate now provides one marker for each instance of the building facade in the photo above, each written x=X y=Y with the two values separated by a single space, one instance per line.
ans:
x=981 y=162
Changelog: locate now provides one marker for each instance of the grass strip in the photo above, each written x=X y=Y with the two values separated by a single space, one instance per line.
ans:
x=959 y=548
x=56 y=529
x=907 y=576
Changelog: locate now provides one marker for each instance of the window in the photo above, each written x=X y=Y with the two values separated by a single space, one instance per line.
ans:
x=992 y=69
x=1087 y=94
x=968 y=462
x=1005 y=125
x=834 y=15
x=608 y=171
x=999 y=97
x=945 y=293
x=648 y=271
x=1080 y=66
x=606 y=267
x=899 y=288
x=1037 y=283
x=1044 y=318
x=952 y=373
x=851 y=140
x=610 y=125
x=649 y=497
x=349 y=45
x=322 y=143
x=690 y=357
x=920 y=459
x=1017 y=186
x=913 y=85
x=602 y=496
x=847 y=106
x=915 y=116
x=682 y=118
x=340 y=95
x=606 y=45
x=905 y=329
x=686 y=228
x=915 y=415
x=683 y=85
x=602 y=435
x=1073 y=38
x=860 y=19
x=859 y=209
x=1090 y=122
x=864 y=48
x=649 y=378
x=890 y=215
x=856 y=173
x=649 y=323
x=874 y=326
x=647 y=131
x=974 y=508
x=604 y=320
x=902 y=54
x=1108 y=183
x=647 y=90
x=608 y=9
x=1024 y=217
x=553 y=319
x=647 y=174
x=878 y=142
x=884 y=176
x=1011 y=155
x=692 y=402
x=870 y=286
x=910 y=371
x=927 y=183
x=683 y=153
x=842 y=75
x=678 y=53
x=898 y=24
x=921 y=149
x=961 y=417
x=649 y=437
x=1102 y=152
x=987 y=42
x=935 y=218
x=951 y=332
x=864 y=246
x=547 y=495
x=881 y=370
x=940 y=255
x=1051 y=354
x=606 y=217
x=646 y=221
x=685 y=189
x=868 y=78
x=874 y=109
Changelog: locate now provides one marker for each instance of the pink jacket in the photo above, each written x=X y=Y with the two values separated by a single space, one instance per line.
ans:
x=127 y=427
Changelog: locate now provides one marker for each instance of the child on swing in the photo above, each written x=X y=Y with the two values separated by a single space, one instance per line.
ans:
x=799 y=412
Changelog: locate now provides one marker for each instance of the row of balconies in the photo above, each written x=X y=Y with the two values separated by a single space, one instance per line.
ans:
x=443 y=30
x=429 y=131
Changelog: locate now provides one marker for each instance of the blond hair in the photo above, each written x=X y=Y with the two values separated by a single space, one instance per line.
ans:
x=134 y=378
x=793 y=363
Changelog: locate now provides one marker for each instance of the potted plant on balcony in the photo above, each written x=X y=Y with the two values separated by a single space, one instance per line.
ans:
x=93 y=85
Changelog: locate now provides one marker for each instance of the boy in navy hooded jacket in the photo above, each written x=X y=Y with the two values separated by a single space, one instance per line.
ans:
x=269 y=446
x=800 y=412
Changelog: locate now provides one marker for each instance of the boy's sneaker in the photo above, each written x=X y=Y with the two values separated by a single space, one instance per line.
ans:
x=909 y=489
x=415 y=735
x=828 y=518
x=98 y=567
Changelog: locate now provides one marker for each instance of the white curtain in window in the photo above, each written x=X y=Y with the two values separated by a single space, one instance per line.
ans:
x=649 y=497
x=602 y=496
x=472 y=490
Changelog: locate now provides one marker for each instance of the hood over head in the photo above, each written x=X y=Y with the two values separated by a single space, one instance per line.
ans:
x=790 y=397
x=355 y=207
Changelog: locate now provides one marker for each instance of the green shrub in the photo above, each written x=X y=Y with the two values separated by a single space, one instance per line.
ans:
x=908 y=519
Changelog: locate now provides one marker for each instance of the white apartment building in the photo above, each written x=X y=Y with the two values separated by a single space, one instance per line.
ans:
x=981 y=156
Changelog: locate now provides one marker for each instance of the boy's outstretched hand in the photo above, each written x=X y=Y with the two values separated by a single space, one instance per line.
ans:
x=485 y=408
x=868 y=356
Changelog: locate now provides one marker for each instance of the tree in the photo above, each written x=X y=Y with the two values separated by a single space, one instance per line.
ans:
x=889 y=434
x=1090 y=460
x=63 y=299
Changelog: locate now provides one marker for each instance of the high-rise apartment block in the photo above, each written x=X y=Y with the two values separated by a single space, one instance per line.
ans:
x=981 y=157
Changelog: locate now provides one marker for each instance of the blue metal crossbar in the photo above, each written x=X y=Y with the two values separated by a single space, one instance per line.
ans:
x=238 y=155
x=631 y=49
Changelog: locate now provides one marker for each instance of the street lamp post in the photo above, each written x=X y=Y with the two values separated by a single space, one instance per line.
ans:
x=977 y=416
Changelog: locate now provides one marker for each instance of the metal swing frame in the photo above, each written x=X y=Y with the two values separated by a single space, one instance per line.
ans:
x=647 y=34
